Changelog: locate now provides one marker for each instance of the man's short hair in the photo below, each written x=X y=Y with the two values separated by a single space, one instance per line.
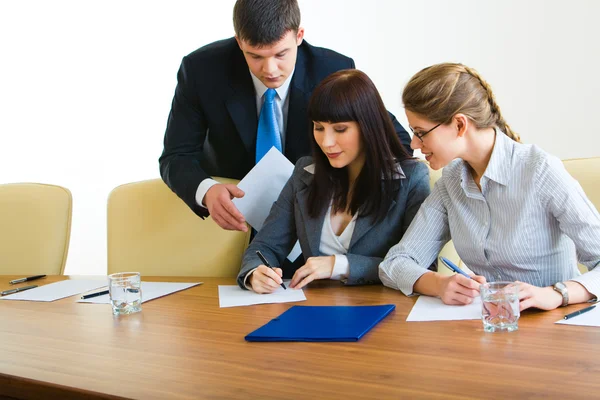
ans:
x=264 y=22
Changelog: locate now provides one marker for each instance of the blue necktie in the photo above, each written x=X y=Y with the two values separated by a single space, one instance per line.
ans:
x=268 y=128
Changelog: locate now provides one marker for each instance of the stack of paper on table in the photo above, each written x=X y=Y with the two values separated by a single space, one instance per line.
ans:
x=150 y=291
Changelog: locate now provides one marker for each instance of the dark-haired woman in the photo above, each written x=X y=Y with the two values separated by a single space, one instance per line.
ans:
x=350 y=202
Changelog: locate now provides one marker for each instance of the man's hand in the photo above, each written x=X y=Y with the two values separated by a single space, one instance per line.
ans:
x=218 y=201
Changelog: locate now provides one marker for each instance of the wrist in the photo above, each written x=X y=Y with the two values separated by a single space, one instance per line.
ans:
x=557 y=299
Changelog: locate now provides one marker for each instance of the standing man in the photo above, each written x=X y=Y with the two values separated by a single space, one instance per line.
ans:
x=238 y=97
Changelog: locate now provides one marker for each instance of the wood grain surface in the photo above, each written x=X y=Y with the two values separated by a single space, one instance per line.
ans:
x=183 y=346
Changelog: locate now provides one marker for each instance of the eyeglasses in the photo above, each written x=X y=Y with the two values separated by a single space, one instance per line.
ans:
x=420 y=135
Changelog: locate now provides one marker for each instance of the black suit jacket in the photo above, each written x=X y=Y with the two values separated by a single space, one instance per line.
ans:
x=212 y=125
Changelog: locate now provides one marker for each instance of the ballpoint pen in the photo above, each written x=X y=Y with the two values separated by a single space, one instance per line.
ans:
x=453 y=267
x=89 y=296
x=29 y=278
x=576 y=313
x=264 y=260
x=20 y=289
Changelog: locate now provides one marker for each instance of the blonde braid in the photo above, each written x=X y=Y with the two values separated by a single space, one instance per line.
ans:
x=494 y=108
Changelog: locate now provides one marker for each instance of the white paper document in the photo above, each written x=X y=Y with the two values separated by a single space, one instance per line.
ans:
x=233 y=296
x=590 y=318
x=262 y=186
x=150 y=291
x=433 y=309
x=57 y=290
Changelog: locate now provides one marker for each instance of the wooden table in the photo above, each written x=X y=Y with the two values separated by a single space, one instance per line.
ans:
x=184 y=346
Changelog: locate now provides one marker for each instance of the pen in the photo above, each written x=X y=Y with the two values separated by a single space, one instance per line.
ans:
x=20 y=289
x=576 y=313
x=453 y=267
x=89 y=296
x=29 y=278
x=264 y=260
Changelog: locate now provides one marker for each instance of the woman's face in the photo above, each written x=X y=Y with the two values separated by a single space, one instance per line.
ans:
x=341 y=143
x=439 y=146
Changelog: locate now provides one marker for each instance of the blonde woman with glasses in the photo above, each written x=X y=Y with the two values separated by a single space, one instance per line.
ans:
x=511 y=209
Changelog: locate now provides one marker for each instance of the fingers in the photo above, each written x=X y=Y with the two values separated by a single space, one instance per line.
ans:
x=465 y=282
x=479 y=279
x=227 y=216
x=235 y=191
x=300 y=274
x=465 y=286
x=527 y=303
x=306 y=281
x=457 y=299
x=265 y=280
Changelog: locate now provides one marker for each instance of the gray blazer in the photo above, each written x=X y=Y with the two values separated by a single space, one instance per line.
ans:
x=289 y=221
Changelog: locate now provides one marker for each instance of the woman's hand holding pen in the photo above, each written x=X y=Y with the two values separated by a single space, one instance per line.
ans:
x=265 y=280
x=458 y=289
x=315 y=268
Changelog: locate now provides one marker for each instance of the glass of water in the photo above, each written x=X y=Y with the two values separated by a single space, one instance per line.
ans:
x=500 y=306
x=125 y=292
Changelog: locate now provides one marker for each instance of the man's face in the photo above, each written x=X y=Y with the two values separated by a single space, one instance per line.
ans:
x=273 y=63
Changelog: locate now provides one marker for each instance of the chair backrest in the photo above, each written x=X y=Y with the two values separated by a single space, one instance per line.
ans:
x=448 y=250
x=35 y=228
x=152 y=231
x=587 y=172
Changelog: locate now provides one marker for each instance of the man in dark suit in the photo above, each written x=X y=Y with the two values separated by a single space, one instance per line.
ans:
x=212 y=126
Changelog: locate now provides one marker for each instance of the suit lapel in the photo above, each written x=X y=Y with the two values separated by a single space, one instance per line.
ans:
x=296 y=138
x=241 y=103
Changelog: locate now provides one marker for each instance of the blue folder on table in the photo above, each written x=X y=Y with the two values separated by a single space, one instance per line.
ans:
x=321 y=324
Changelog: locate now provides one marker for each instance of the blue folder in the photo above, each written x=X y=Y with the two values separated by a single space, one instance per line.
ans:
x=321 y=324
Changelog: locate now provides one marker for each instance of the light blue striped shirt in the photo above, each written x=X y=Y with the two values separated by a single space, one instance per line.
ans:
x=530 y=222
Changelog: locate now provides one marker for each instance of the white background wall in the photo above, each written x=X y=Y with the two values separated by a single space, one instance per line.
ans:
x=86 y=87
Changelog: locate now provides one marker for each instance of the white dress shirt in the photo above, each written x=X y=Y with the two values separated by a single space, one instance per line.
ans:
x=531 y=221
x=282 y=104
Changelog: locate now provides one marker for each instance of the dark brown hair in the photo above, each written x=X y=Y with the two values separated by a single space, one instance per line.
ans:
x=441 y=91
x=349 y=95
x=265 y=22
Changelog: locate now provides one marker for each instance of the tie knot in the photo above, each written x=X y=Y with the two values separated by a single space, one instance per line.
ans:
x=270 y=95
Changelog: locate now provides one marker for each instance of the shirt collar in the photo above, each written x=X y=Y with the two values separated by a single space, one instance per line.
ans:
x=398 y=174
x=282 y=91
x=499 y=167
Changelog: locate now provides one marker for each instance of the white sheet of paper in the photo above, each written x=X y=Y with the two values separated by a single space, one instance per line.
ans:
x=57 y=290
x=590 y=318
x=150 y=291
x=433 y=309
x=262 y=186
x=234 y=296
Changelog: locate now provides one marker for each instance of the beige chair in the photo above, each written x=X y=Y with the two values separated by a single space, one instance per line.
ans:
x=152 y=231
x=587 y=172
x=448 y=250
x=35 y=228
